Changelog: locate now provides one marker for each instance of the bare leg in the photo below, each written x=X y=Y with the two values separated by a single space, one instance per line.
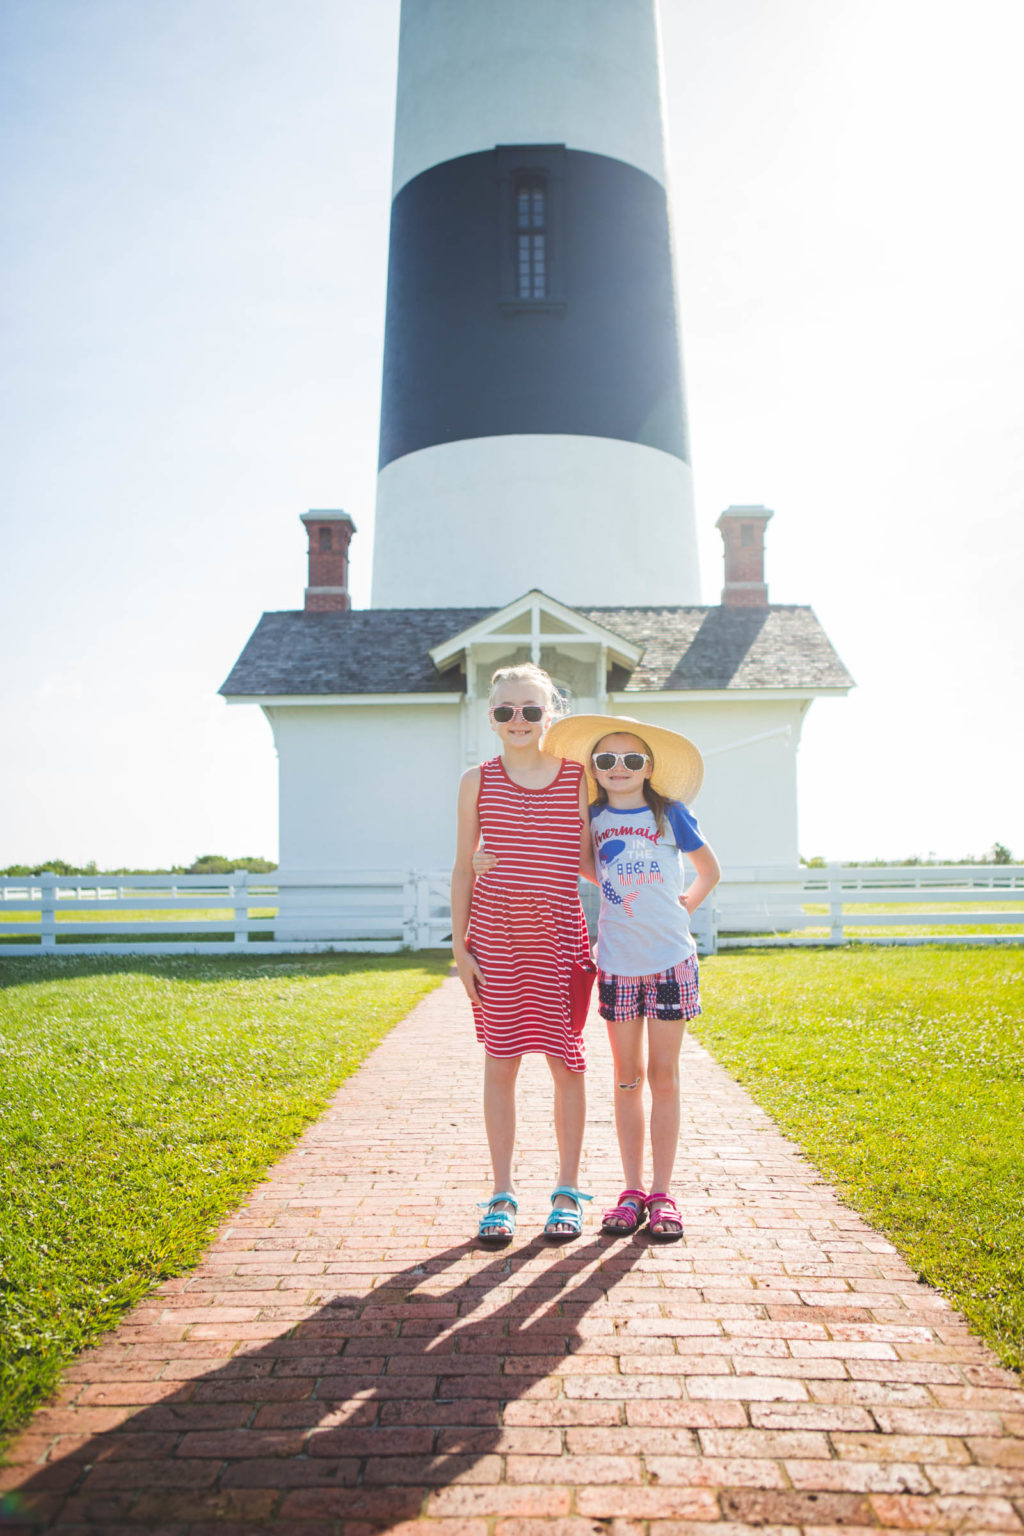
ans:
x=500 y=1074
x=570 y=1123
x=626 y=1038
x=664 y=1040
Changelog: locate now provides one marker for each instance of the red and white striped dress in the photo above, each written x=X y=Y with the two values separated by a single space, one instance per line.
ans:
x=526 y=924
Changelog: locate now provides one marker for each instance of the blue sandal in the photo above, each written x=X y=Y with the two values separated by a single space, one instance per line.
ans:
x=498 y=1227
x=561 y=1217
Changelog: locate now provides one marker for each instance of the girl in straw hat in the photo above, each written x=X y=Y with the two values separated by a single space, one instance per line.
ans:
x=516 y=933
x=641 y=779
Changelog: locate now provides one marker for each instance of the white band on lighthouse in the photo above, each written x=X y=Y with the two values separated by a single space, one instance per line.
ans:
x=584 y=73
x=483 y=521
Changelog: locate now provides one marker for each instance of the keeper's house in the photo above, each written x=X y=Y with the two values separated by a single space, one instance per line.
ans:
x=376 y=712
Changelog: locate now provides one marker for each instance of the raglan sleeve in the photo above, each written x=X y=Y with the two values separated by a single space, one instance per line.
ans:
x=684 y=826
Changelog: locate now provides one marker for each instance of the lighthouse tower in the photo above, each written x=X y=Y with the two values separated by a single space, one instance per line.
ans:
x=533 y=425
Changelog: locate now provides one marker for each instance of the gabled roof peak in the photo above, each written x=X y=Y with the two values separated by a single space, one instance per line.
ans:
x=533 y=619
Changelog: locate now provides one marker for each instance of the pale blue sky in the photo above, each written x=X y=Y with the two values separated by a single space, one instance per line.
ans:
x=195 y=206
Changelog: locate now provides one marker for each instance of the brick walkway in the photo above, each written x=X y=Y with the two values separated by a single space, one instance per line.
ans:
x=344 y=1361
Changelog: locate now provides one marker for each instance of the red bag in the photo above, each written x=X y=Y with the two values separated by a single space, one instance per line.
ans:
x=581 y=984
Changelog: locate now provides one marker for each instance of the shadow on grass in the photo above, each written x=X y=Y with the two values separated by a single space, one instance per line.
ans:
x=354 y=1413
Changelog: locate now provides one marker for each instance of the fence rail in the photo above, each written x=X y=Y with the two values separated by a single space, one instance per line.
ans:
x=388 y=910
x=840 y=903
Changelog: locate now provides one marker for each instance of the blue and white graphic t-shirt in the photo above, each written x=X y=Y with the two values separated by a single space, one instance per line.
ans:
x=642 y=927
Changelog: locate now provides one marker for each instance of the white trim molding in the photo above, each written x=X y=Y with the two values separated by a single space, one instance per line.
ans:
x=319 y=700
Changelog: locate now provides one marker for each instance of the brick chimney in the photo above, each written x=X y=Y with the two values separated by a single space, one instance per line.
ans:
x=329 y=535
x=743 y=537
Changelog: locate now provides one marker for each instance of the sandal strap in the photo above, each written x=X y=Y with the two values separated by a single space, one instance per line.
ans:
x=562 y=1218
x=623 y=1218
x=501 y=1219
x=632 y=1203
x=573 y=1194
x=667 y=1209
x=487 y=1204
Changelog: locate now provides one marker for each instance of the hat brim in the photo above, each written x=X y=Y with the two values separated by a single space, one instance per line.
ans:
x=678 y=766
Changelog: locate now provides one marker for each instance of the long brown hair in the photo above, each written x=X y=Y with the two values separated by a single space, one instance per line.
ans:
x=658 y=803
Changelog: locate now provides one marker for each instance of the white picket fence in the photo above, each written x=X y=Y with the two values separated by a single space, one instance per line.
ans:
x=390 y=910
x=376 y=910
x=837 y=904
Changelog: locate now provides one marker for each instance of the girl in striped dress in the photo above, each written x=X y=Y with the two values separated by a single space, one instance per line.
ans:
x=517 y=930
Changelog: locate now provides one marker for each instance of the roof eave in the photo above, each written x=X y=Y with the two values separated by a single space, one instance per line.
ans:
x=738 y=695
x=341 y=699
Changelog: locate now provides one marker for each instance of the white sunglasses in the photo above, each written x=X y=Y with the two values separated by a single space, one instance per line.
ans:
x=605 y=761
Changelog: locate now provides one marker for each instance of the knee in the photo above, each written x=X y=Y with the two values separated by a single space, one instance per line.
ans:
x=664 y=1082
x=628 y=1080
x=564 y=1076
x=503 y=1069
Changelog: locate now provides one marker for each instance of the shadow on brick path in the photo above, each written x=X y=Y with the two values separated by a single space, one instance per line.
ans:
x=352 y=1415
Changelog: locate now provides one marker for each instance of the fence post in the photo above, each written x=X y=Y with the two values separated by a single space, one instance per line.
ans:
x=835 y=903
x=410 y=902
x=48 y=910
x=422 y=911
x=240 y=877
x=704 y=927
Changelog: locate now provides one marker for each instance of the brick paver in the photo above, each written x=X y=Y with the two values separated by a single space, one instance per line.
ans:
x=346 y=1360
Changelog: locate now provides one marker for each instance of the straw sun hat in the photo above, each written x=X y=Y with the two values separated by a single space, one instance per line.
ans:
x=678 y=766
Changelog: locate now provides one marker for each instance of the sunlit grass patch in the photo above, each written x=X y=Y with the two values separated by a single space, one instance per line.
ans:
x=139 y=1101
x=901 y=1073
x=1011 y=911
x=186 y=917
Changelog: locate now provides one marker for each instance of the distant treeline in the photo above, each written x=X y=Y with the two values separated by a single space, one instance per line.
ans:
x=216 y=864
x=997 y=854
x=206 y=864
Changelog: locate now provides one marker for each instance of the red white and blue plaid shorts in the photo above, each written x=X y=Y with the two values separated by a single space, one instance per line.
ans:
x=671 y=994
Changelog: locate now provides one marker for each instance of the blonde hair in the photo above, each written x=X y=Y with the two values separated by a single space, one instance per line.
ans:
x=529 y=672
x=657 y=802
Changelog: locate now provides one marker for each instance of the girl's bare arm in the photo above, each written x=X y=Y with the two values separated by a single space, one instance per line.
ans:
x=709 y=873
x=466 y=838
x=587 y=869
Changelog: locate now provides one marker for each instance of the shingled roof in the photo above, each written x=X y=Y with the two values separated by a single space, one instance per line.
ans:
x=385 y=650
x=714 y=648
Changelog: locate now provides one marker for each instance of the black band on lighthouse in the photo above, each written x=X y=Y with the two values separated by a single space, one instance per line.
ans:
x=579 y=336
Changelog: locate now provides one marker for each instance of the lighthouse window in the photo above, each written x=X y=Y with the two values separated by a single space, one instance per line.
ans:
x=532 y=228
x=531 y=241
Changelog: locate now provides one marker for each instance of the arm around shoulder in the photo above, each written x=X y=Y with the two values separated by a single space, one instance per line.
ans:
x=587 y=869
x=467 y=836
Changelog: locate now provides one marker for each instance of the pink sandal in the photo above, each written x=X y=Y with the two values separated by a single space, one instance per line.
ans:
x=625 y=1217
x=667 y=1211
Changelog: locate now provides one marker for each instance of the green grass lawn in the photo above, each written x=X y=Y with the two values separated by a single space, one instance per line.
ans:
x=901 y=1074
x=140 y=1100
x=1012 y=907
